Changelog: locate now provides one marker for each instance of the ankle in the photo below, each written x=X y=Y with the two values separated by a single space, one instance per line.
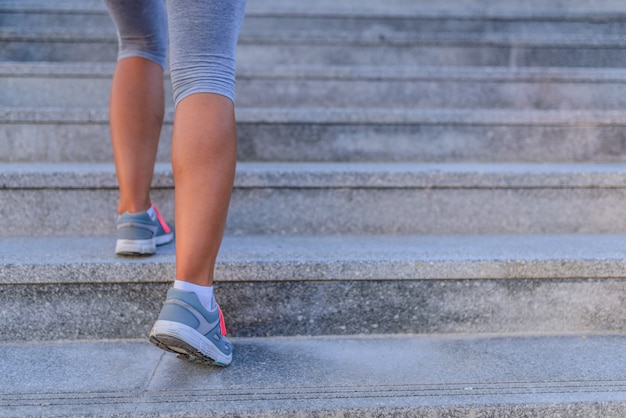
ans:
x=133 y=207
x=204 y=293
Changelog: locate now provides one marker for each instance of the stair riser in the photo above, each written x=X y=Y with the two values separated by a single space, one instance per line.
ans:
x=255 y=23
x=418 y=142
x=59 y=20
x=469 y=94
x=436 y=142
x=65 y=142
x=367 y=93
x=59 y=212
x=424 y=211
x=83 y=311
x=435 y=53
x=450 y=23
x=58 y=51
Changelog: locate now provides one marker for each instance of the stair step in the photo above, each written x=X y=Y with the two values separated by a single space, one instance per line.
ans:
x=333 y=33
x=476 y=8
x=605 y=13
x=412 y=135
x=86 y=15
x=330 y=39
x=438 y=50
x=76 y=288
x=84 y=85
x=339 y=198
x=377 y=375
x=346 y=49
x=343 y=17
x=398 y=8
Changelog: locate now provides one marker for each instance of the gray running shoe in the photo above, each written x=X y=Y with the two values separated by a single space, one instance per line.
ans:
x=139 y=233
x=186 y=328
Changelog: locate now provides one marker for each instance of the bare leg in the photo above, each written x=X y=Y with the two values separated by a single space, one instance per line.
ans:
x=136 y=116
x=204 y=155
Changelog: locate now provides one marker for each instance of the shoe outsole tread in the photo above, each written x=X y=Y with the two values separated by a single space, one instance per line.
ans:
x=187 y=352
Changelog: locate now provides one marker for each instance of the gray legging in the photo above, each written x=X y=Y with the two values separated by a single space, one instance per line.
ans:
x=202 y=34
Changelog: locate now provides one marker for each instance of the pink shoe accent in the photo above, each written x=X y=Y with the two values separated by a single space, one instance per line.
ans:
x=165 y=226
x=222 y=323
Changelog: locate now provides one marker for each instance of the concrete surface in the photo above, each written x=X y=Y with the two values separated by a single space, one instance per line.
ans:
x=338 y=198
x=267 y=258
x=570 y=39
x=389 y=87
x=418 y=135
x=433 y=376
x=362 y=289
x=75 y=288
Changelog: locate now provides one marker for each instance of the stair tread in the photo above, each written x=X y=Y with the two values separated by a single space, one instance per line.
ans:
x=336 y=174
x=32 y=260
x=338 y=37
x=337 y=87
x=396 y=8
x=366 y=116
x=277 y=376
x=73 y=70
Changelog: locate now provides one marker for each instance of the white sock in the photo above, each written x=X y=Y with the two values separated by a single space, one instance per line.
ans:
x=204 y=293
x=152 y=213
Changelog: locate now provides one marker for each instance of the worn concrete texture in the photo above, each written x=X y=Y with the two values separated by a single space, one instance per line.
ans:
x=397 y=8
x=435 y=376
x=350 y=198
x=420 y=135
x=389 y=87
x=266 y=258
x=81 y=311
x=75 y=288
x=319 y=40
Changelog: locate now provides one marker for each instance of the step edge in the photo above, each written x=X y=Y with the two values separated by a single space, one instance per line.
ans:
x=328 y=258
x=313 y=175
x=380 y=73
x=343 y=116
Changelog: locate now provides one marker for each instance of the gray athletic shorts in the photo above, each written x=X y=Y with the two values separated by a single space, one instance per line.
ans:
x=202 y=38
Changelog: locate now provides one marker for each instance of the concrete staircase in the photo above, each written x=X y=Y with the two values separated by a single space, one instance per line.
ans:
x=428 y=217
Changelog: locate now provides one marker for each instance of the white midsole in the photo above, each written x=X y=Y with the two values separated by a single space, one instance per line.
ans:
x=135 y=246
x=163 y=239
x=191 y=337
x=141 y=246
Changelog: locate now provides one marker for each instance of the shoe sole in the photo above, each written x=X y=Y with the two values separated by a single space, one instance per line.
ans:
x=141 y=247
x=187 y=343
x=135 y=247
x=163 y=239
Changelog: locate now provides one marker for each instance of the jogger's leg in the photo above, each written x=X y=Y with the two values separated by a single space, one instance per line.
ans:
x=136 y=105
x=203 y=38
x=136 y=116
x=204 y=153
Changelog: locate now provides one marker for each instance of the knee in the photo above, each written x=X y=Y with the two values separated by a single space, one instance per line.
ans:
x=141 y=29
x=150 y=47
x=209 y=75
